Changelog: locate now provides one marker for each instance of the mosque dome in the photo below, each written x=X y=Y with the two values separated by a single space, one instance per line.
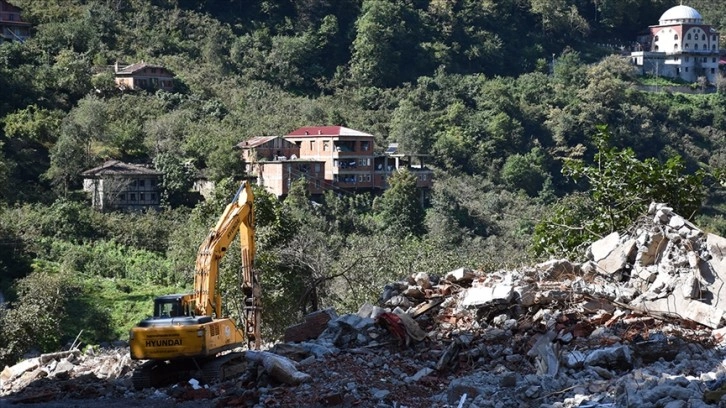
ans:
x=681 y=14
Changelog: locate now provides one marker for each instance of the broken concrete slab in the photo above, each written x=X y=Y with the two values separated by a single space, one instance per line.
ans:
x=481 y=296
x=603 y=247
x=615 y=357
x=10 y=373
x=650 y=250
x=675 y=305
x=460 y=275
x=617 y=259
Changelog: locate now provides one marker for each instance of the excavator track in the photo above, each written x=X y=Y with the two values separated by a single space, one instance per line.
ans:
x=224 y=367
x=163 y=373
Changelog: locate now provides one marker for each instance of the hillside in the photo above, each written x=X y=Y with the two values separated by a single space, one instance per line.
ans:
x=539 y=132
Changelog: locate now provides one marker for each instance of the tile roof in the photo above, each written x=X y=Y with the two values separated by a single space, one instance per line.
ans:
x=313 y=131
x=115 y=167
x=133 y=68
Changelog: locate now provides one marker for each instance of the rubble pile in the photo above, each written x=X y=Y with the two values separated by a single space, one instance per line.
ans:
x=639 y=323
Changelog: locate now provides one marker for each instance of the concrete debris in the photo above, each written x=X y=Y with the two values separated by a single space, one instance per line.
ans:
x=640 y=322
x=311 y=328
x=278 y=367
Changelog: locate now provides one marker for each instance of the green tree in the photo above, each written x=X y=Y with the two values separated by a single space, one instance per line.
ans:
x=177 y=180
x=84 y=128
x=34 y=320
x=386 y=50
x=620 y=187
x=400 y=210
x=526 y=172
x=34 y=123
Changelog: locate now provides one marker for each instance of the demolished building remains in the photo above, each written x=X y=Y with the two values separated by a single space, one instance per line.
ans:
x=639 y=323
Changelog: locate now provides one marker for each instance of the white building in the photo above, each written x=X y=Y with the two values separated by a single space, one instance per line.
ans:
x=680 y=46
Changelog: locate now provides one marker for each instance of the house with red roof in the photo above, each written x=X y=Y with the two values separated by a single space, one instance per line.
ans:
x=329 y=157
x=347 y=154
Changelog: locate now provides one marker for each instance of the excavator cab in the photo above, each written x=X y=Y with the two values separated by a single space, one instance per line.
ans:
x=170 y=306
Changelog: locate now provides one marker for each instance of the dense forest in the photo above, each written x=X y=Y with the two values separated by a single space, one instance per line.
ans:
x=540 y=133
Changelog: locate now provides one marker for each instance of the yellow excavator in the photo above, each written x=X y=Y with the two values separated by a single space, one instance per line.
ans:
x=187 y=334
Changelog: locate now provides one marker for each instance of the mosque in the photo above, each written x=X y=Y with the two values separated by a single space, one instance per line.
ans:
x=680 y=46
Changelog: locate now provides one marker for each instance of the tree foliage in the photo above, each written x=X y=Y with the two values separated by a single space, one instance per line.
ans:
x=620 y=187
x=400 y=208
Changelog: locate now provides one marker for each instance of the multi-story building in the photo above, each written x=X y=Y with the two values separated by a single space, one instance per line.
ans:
x=122 y=186
x=347 y=154
x=12 y=26
x=680 y=46
x=330 y=158
x=275 y=163
x=265 y=148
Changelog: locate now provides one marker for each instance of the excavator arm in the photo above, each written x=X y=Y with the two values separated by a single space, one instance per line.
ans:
x=238 y=218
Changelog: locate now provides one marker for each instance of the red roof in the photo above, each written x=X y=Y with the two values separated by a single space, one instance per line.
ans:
x=313 y=131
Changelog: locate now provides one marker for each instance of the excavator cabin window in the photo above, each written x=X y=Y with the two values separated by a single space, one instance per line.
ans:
x=168 y=307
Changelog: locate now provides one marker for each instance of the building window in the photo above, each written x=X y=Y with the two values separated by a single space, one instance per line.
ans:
x=142 y=183
x=695 y=46
x=317 y=167
x=656 y=48
x=122 y=197
x=365 y=145
x=714 y=59
x=685 y=46
x=688 y=59
x=686 y=69
x=312 y=144
x=703 y=37
x=688 y=37
x=656 y=38
x=675 y=37
x=142 y=197
x=713 y=47
x=132 y=197
x=326 y=145
x=153 y=197
x=675 y=46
